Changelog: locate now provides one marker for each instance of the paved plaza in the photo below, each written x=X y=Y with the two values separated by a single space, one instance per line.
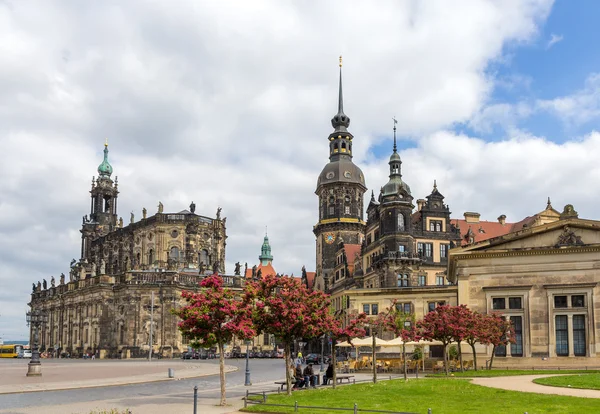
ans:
x=79 y=387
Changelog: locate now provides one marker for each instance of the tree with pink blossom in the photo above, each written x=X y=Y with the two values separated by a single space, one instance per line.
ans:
x=214 y=316
x=287 y=309
x=438 y=325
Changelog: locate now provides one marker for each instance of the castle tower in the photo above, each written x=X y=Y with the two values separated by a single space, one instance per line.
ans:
x=266 y=258
x=103 y=210
x=340 y=188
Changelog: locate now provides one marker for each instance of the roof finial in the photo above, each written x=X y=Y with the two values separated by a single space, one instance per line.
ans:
x=106 y=142
x=372 y=196
x=341 y=97
x=266 y=233
x=549 y=205
x=434 y=184
x=395 y=122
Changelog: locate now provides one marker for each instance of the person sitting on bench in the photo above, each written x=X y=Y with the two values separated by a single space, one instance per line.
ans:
x=328 y=374
x=300 y=382
x=309 y=376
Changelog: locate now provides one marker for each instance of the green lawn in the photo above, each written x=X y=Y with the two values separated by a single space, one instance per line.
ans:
x=445 y=396
x=591 y=382
x=511 y=372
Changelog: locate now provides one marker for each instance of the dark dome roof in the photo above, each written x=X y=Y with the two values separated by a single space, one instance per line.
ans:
x=344 y=171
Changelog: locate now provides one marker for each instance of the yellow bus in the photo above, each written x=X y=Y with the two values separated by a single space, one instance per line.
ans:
x=11 y=351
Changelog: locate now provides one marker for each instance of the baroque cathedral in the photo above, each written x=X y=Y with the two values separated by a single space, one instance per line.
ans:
x=117 y=298
x=542 y=272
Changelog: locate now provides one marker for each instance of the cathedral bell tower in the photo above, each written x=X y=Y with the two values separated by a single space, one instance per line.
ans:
x=103 y=211
x=340 y=188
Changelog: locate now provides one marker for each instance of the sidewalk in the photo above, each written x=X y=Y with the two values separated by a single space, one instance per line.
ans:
x=524 y=383
x=61 y=375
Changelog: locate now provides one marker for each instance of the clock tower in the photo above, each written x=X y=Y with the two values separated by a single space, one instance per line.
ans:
x=340 y=188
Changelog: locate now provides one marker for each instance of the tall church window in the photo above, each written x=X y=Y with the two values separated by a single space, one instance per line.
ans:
x=203 y=257
x=107 y=205
x=400 y=222
x=174 y=253
x=151 y=257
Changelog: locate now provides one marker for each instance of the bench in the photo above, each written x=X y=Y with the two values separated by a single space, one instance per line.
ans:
x=283 y=384
x=341 y=378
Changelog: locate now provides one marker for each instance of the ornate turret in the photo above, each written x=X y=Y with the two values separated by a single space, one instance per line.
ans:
x=103 y=215
x=395 y=187
x=265 y=252
x=340 y=187
x=105 y=169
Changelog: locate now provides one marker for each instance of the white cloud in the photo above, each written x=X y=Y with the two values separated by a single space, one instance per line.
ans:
x=554 y=39
x=578 y=108
x=228 y=104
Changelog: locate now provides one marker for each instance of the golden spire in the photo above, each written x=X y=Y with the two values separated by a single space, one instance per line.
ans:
x=340 y=61
x=106 y=142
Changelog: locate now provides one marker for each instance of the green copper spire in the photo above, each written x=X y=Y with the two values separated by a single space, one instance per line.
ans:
x=265 y=252
x=105 y=169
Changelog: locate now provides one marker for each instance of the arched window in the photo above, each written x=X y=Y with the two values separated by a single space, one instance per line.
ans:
x=151 y=257
x=138 y=257
x=174 y=253
x=400 y=222
x=203 y=257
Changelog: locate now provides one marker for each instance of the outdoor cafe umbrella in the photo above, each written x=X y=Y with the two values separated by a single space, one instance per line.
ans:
x=368 y=341
x=344 y=344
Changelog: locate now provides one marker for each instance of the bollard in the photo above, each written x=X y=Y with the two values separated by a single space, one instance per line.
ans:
x=264 y=397
x=295 y=406
x=195 y=399
x=171 y=373
x=355 y=408
x=429 y=411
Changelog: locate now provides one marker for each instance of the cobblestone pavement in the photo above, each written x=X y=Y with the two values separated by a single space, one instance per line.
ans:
x=524 y=383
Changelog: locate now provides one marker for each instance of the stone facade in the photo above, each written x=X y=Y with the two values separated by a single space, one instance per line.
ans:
x=129 y=278
x=545 y=279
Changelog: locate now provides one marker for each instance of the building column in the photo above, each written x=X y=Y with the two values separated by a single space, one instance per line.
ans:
x=551 y=332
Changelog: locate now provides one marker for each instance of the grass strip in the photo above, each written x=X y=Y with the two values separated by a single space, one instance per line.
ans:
x=448 y=396
x=583 y=381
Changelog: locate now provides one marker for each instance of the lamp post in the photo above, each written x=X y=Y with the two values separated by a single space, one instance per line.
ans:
x=35 y=318
x=322 y=354
x=247 y=379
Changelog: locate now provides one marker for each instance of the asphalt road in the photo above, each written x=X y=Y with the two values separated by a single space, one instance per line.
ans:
x=262 y=370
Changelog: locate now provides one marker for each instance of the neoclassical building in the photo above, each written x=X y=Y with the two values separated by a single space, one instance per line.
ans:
x=544 y=276
x=120 y=293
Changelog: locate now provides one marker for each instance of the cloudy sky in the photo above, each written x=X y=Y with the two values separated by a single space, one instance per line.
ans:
x=229 y=104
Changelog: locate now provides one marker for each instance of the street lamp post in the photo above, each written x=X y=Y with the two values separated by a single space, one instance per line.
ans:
x=35 y=318
x=247 y=379
x=322 y=353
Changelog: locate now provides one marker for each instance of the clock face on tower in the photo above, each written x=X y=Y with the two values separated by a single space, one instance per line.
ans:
x=329 y=238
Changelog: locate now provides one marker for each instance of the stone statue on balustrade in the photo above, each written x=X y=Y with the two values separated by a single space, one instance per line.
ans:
x=237 y=269
x=102 y=267
x=62 y=278
x=93 y=269
x=52 y=282
x=44 y=284
x=201 y=268
x=33 y=287
x=39 y=286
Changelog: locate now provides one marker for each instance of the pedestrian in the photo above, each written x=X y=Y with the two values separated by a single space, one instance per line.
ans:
x=309 y=376
x=300 y=381
x=328 y=374
x=300 y=357
x=93 y=356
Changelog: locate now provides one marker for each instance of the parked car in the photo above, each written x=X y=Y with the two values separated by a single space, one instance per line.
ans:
x=190 y=355
x=312 y=359
x=27 y=353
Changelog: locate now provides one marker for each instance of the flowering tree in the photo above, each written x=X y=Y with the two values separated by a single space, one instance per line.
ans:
x=474 y=324
x=213 y=316
x=403 y=325
x=496 y=331
x=437 y=325
x=345 y=333
x=460 y=316
x=285 y=308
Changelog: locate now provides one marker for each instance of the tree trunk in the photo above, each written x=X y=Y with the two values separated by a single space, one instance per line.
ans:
x=462 y=369
x=374 y=362
x=404 y=359
x=474 y=356
x=222 y=372
x=446 y=358
x=287 y=357
x=492 y=360
x=333 y=361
